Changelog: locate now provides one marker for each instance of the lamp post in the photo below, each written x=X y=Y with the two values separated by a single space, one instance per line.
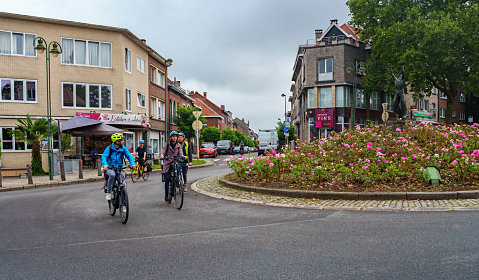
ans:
x=54 y=48
x=357 y=68
x=168 y=63
x=284 y=124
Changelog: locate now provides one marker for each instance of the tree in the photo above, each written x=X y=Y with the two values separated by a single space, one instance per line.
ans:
x=228 y=134
x=32 y=133
x=437 y=41
x=184 y=120
x=280 y=131
x=210 y=134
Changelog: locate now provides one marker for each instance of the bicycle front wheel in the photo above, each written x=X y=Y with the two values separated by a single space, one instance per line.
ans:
x=134 y=175
x=111 y=208
x=124 y=206
x=146 y=175
x=179 y=194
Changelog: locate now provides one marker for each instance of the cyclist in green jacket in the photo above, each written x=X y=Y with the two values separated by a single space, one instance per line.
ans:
x=188 y=152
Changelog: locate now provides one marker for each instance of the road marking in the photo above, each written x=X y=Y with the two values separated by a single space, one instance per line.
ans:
x=216 y=159
x=168 y=235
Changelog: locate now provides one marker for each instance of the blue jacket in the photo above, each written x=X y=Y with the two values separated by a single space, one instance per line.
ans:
x=116 y=158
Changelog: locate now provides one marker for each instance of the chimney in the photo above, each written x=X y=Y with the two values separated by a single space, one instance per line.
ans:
x=144 y=41
x=174 y=80
x=242 y=120
x=204 y=94
x=334 y=21
x=223 y=107
x=319 y=33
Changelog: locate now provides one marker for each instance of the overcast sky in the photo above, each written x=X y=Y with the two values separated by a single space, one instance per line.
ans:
x=240 y=52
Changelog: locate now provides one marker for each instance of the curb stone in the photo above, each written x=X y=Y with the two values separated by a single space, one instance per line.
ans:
x=353 y=195
x=215 y=190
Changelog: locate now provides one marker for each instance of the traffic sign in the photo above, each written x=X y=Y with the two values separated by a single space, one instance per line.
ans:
x=287 y=124
x=197 y=114
x=197 y=125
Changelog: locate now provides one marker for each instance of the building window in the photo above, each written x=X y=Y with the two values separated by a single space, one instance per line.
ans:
x=462 y=116
x=325 y=69
x=442 y=113
x=153 y=108
x=433 y=90
x=9 y=143
x=154 y=145
x=128 y=99
x=17 y=90
x=15 y=43
x=311 y=98
x=462 y=98
x=161 y=110
x=343 y=122
x=443 y=95
x=433 y=105
x=86 y=96
x=127 y=60
x=84 y=52
x=389 y=100
x=325 y=99
x=157 y=77
x=140 y=64
x=343 y=96
x=453 y=113
x=170 y=111
x=141 y=100
x=374 y=101
x=360 y=99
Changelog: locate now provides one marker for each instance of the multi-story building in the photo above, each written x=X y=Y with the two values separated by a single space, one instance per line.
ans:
x=177 y=98
x=157 y=92
x=215 y=116
x=242 y=126
x=95 y=76
x=325 y=73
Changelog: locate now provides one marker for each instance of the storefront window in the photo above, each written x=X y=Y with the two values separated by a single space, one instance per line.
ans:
x=325 y=98
x=342 y=97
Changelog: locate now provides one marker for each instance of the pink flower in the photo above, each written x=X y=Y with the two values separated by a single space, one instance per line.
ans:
x=267 y=160
x=271 y=165
x=364 y=167
x=454 y=162
x=398 y=129
x=414 y=156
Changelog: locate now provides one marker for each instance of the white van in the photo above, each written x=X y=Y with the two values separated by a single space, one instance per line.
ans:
x=268 y=140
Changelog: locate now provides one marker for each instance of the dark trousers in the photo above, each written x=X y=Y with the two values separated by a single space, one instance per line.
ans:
x=167 y=183
x=184 y=170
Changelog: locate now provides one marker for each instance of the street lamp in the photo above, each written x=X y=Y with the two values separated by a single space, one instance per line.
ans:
x=284 y=124
x=53 y=48
x=168 y=63
x=357 y=68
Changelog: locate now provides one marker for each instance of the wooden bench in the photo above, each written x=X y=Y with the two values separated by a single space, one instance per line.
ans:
x=13 y=172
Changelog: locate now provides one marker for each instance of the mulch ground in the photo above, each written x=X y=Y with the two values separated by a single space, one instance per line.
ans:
x=340 y=187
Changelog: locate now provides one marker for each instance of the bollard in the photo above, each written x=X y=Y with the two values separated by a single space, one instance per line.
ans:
x=99 y=167
x=62 y=170
x=80 y=170
x=29 y=174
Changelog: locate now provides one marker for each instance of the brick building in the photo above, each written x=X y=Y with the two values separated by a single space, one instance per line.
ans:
x=215 y=116
x=325 y=73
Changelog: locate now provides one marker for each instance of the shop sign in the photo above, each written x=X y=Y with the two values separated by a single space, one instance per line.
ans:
x=119 y=119
x=324 y=118
x=421 y=114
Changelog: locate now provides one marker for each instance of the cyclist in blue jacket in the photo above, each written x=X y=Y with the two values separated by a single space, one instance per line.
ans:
x=113 y=157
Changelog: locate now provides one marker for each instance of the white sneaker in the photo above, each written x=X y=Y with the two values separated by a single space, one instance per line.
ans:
x=108 y=196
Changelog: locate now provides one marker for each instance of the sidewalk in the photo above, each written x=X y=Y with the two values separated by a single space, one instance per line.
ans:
x=89 y=175
x=212 y=187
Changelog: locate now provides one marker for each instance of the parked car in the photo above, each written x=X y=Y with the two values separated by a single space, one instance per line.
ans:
x=268 y=140
x=224 y=147
x=237 y=150
x=208 y=149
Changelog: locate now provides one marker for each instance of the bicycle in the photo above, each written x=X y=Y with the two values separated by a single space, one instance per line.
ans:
x=175 y=189
x=139 y=171
x=119 y=196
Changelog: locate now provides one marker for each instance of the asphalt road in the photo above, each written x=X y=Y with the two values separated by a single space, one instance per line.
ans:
x=66 y=233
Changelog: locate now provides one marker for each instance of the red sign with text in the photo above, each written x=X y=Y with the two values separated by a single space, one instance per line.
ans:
x=324 y=118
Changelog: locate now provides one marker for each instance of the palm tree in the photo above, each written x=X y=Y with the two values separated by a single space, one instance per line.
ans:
x=32 y=133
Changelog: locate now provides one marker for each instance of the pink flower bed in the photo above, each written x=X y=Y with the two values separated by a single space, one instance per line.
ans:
x=373 y=155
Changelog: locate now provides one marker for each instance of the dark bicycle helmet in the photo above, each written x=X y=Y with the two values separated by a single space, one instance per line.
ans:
x=173 y=133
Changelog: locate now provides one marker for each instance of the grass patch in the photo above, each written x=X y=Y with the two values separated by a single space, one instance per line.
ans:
x=199 y=161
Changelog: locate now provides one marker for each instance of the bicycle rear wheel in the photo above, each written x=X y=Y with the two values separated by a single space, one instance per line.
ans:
x=134 y=175
x=179 y=195
x=124 y=206
x=146 y=175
